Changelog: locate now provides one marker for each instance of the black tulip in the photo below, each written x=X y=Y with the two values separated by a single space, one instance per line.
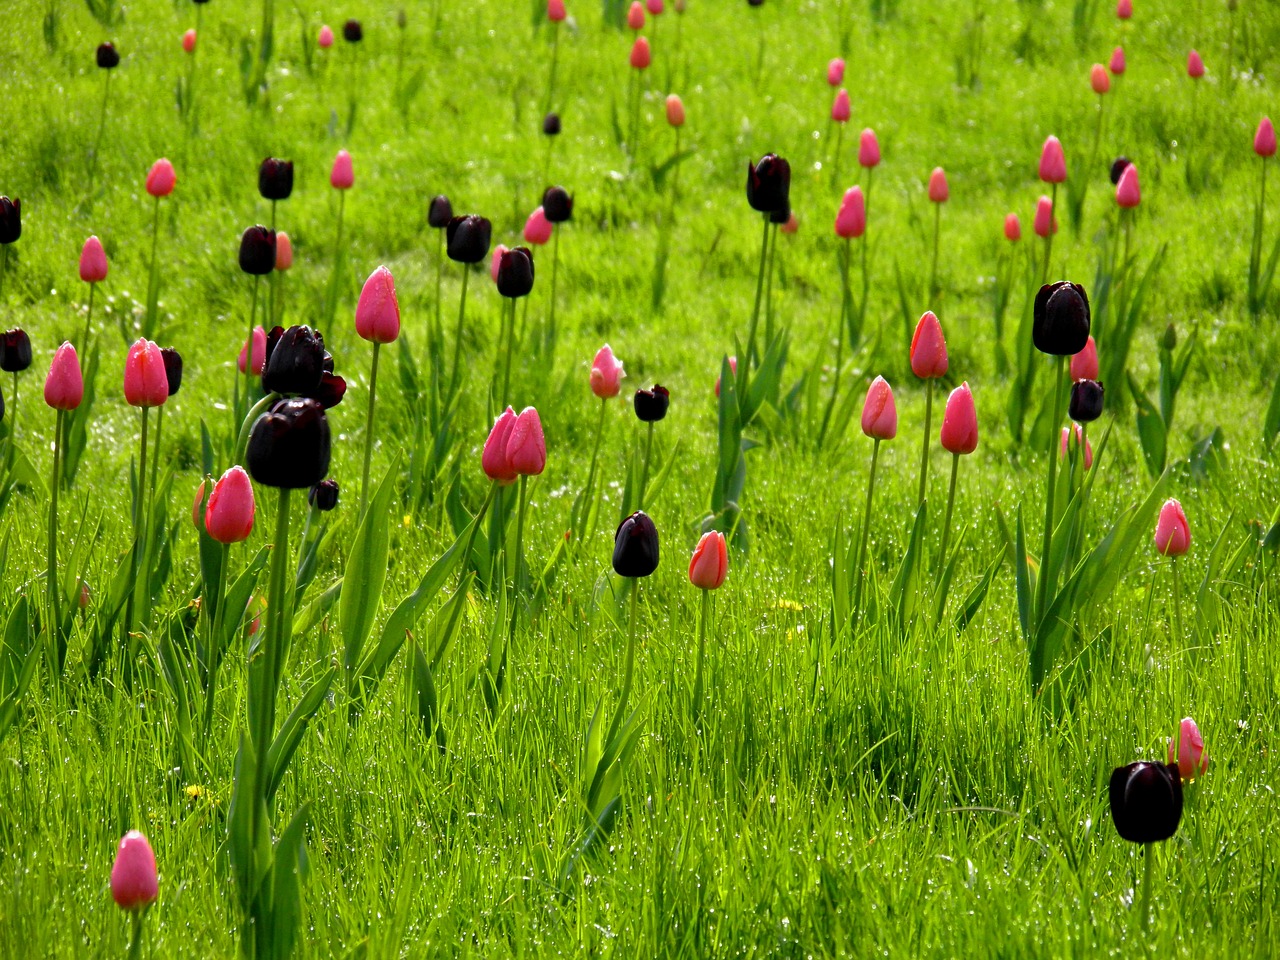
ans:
x=275 y=179
x=172 y=368
x=10 y=220
x=352 y=32
x=651 y=405
x=331 y=390
x=1146 y=801
x=769 y=184
x=551 y=124
x=15 y=351
x=467 y=239
x=557 y=205
x=324 y=495
x=258 y=251
x=1086 y=401
x=295 y=361
x=289 y=445
x=327 y=365
x=108 y=58
x=515 y=273
x=781 y=215
x=1061 y=319
x=755 y=3
x=1117 y=168
x=635 y=546
x=439 y=212
x=201 y=1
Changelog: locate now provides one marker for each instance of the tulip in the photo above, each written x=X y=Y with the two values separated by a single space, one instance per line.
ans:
x=635 y=15
x=960 y=422
x=869 y=150
x=1128 y=193
x=259 y=342
x=840 y=109
x=928 y=361
x=879 y=413
x=835 y=72
x=161 y=178
x=63 y=391
x=106 y=56
x=495 y=261
x=189 y=41
x=10 y=223
x=258 y=251
x=555 y=10
x=1099 y=79
x=939 y=192
x=1044 y=224
x=294 y=361
x=1117 y=65
x=342 y=175
x=468 y=239
x=851 y=219
x=635 y=546
x=654 y=7
x=707 y=569
x=275 y=179
x=378 y=311
x=851 y=222
x=64 y=387
x=1124 y=9
x=1061 y=319
x=93 y=262
x=284 y=251
x=675 y=111
x=1188 y=751
x=1012 y=228
x=557 y=205
x=135 y=884
x=1173 y=535
x=494 y=460
x=1146 y=801
x=325 y=38
x=352 y=31
x=733 y=367
x=606 y=373
x=1195 y=66
x=1081 y=441
x=551 y=125
x=1053 y=165
x=1264 y=141
x=228 y=517
x=769 y=184
x=289 y=446
x=526 y=448
x=145 y=382
x=1264 y=145
x=1118 y=167
x=172 y=369
x=324 y=495
x=1084 y=365
x=439 y=212
x=641 y=56
x=651 y=405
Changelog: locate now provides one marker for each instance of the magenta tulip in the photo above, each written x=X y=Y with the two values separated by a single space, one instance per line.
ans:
x=635 y=15
x=1084 y=365
x=1012 y=228
x=135 y=884
x=494 y=459
x=1128 y=193
x=869 y=149
x=325 y=39
x=93 y=261
x=835 y=72
x=879 y=413
x=1117 y=64
x=145 y=382
x=228 y=517
x=959 y=433
x=710 y=562
x=537 y=229
x=1264 y=141
x=1173 y=534
x=851 y=219
x=259 y=352
x=342 y=176
x=1188 y=751
x=939 y=192
x=161 y=178
x=840 y=109
x=1195 y=66
x=1053 y=164
x=378 y=310
x=64 y=386
x=606 y=373
x=526 y=447
x=1099 y=79
x=928 y=348
x=641 y=56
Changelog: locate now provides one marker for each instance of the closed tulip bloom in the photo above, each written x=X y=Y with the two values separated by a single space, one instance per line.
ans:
x=352 y=31
x=1146 y=801
x=64 y=387
x=342 y=175
x=1060 y=319
x=189 y=41
x=928 y=348
x=258 y=251
x=879 y=412
x=135 y=884
x=551 y=124
x=641 y=56
x=1053 y=164
x=378 y=311
x=1084 y=365
x=494 y=459
x=145 y=382
x=10 y=220
x=1264 y=141
x=1128 y=193
x=526 y=446
x=635 y=15
x=675 y=110
x=1195 y=66
x=325 y=39
x=733 y=366
x=161 y=178
x=93 y=261
x=869 y=149
x=228 y=517
x=275 y=179
x=467 y=239
x=1044 y=224
x=1124 y=9
x=606 y=373
x=959 y=432
x=289 y=446
x=1099 y=79
x=840 y=109
x=324 y=495
x=781 y=217
x=769 y=184
x=439 y=212
x=295 y=360
x=107 y=57
x=654 y=7
x=1188 y=752
x=1118 y=167
x=851 y=219
x=651 y=405
x=1117 y=64
x=939 y=192
x=792 y=224
x=635 y=546
x=835 y=72
x=557 y=205
x=555 y=10
x=15 y=350
x=330 y=391
x=259 y=351
x=515 y=273
x=1012 y=228
x=1079 y=435
x=537 y=229
x=710 y=562
x=1173 y=534
x=172 y=369
x=495 y=261
x=284 y=251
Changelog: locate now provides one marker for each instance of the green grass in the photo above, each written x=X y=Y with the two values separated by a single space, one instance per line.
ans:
x=898 y=791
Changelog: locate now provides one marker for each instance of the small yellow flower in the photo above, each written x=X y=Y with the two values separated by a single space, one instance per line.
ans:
x=790 y=605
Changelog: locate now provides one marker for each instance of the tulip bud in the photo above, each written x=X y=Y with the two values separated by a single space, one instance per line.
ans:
x=641 y=56
x=1124 y=9
x=324 y=495
x=495 y=261
x=145 y=382
x=258 y=251
x=161 y=178
x=939 y=192
x=959 y=432
x=352 y=32
x=769 y=184
x=1146 y=801
x=1187 y=752
x=135 y=884
x=228 y=517
x=733 y=368
x=1195 y=66
x=325 y=38
x=1061 y=317
x=1264 y=141
x=284 y=251
x=275 y=179
x=651 y=405
x=840 y=109
x=467 y=239
x=1044 y=224
x=792 y=224
x=606 y=373
x=1012 y=228
x=1086 y=401
x=289 y=446
x=439 y=212
x=1173 y=533
x=494 y=459
x=1128 y=193
x=1084 y=365
x=107 y=57
x=710 y=562
x=64 y=386
x=537 y=229
x=1053 y=164
x=15 y=351
x=1099 y=79
x=1170 y=338
x=294 y=360
x=172 y=368
x=1079 y=436
x=342 y=175
x=879 y=412
x=835 y=72
x=635 y=15
x=10 y=220
x=551 y=124
x=515 y=273
x=675 y=110
x=526 y=447
x=555 y=10
x=868 y=149
x=928 y=348
x=654 y=7
x=557 y=205
x=1118 y=167
x=259 y=352
x=851 y=219
x=1117 y=64
x=93 y=261
x=189 y=41
x=378 y=310
x=635 y=546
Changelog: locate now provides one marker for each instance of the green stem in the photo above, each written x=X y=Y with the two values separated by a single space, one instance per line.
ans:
x=153 y=278
x=53 y=628
x=866 y=533
x=457 y=338
x=155 y=455
x=755 y=312
x=214 y=624
x=702 y=655
x=924 y=453
x=262 y=719
x=644 y=468
x=139 y=528
x=840 y=332
x=368 y=430
x=88 y=317
x=555 y=58
x=510 y=348
x=1179 y=636
x=933 y=271
x=550 y=333
x=135 y=936
x=1042 y=584
x=946 y=522
x=1048 y=240
x=1148 y=852
x=519 y=557
x=768 y=287
x=628 y=670
x=835 y=162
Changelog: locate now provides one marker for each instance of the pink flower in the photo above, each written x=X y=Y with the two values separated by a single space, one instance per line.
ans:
x=1173 y=534
x=228 y=518
x=869 y=149
x=134 y=881
x=959 y=433
x=928 y=348
x=145 y=382
x=189 y=41
x=1124 y=9
x=1264 y=141
x=526 y=448
x=640 y=54
x=1188 y=751
x=1012 y=228
x=161 y=178
x=284 y=251
x=325 y=40
x=1117 y=61
x=635 y=15
x=537 y=229
x=1128 y=194
x=1084 y=365
x=840 y=109
x=710 y=563
x=939 y=192
x=733 y=366
x=835 y=72
x=1195 y=66
x=378 y=310
x=879 y=412
x=1053 y=165
x=495 y=261
x=654 y=7
x=1044 y=222
x=1099 y=79
x=606 y=373
x=1088 y=447
x=792 y=224
x=555 y=10
x=851 y=219
x=675 y=110
x=64 y=387
x=342 y=176
x=93 y=261
x=494 y=459
x=259 y=351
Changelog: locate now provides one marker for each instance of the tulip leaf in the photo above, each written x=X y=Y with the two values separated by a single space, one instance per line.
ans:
x=973 y=602
x=288 y=868
x=1151 y=429
x=427 y=700
x=21 y=657
x=295 y=725
x=365 y=574
x=238 y=595
x=1022 y=577
x=306 y=618
x=904 y=584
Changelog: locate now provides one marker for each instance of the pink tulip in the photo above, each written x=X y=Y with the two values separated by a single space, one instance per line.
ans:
x=537 y=229
x=654 y=7
x=928 y=348
x=64 y=387
x=640 y=54
x=1053 y=165
x=840 y=110
x=710 y=563
x=939 y=192
x=342 y=176
x=134 y=881
x=675 y=110
x=1088 y=447
x=635 y=16
x=879 y=412
x=1128 y=194
x=733 y=366
x=1188 y=751
x=326 y=37
x=1124 y=9
x=792 y=224
x=495 y=261
x=1117 y=61
x=284 y=251
x=869 y=149
x=378 y=310
x=197 y=507
x=1044 y=222
x=229 y=515
x=606 y=373
x=960 y=422
x=259 y=351
x=93 y=261
x=1195 y=66
x=1012 y=228
x=555 y=10
x=189 y=41
x=494 y=459
x=1264 y=141
x=1173 y=534
x=851 y=219
x=526 y=448
x=145 y=382
x=1084 y=365
x=835 y=72
x=1099 y=79
x=161 y=178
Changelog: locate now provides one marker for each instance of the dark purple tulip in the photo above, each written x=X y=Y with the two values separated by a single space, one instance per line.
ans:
x=352 y=32
x=769 y=184
x=1117 y=168
x=10 y=219
x=172 y=368
x=1146 y=801
x=324 y=495
x=275 y=179
x=1060 y=324
x=440 y=212
x=294 y=362
x=468 y=238
x=1086 y=401
x=557 y=205
x=515 y=273
x=289 y=446
x=258 y=251
x=781 y=215
x=651 y=405
x=107 y=57
x=15 y=351
x=331 y=390
x=551 y=124
x=635 y=546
